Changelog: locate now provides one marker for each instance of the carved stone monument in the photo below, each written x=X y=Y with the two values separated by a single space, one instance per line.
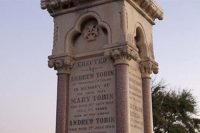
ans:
x=103 y=55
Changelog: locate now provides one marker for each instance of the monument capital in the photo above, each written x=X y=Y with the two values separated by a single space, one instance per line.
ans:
x=148 y=8
x=62 y=64
x=122 y=55
x=147 y=67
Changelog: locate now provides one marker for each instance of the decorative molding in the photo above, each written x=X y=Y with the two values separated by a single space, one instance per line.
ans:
x=147 y=67
x=122 y=55
x=148 y=8
x=57 y=5
x=62 y=64
x=91 y=32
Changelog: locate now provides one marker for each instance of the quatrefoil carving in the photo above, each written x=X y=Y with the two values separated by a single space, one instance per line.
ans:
x=91 y=33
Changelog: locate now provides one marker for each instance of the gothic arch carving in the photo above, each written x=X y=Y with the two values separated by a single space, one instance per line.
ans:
x=77 y=30
x=141 y=41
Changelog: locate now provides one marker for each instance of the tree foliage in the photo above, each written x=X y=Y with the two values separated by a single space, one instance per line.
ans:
x=174 y=112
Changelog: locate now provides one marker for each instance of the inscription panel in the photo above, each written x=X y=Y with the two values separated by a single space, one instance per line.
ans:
x=135 y=98
x=92 y=97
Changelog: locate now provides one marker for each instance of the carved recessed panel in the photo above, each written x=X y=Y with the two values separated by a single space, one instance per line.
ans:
x=91 y=37
x=92 y=96
x=135 y=98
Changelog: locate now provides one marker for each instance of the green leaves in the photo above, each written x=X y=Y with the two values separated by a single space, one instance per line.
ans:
x=174 y=112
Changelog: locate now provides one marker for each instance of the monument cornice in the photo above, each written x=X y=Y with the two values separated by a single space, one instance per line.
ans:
x=148 y=8
x=63 y=64
x=147 y=67
x=58 y=7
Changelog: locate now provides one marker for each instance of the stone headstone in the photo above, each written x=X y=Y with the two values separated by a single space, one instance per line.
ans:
x=103 y=53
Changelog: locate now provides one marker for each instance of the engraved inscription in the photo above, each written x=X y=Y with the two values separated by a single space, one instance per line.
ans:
x=92 y=96
x=135 y=97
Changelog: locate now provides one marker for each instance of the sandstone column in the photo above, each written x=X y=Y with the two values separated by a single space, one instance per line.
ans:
x=121 y=80
x=63 y=67
x=147 y=67
x=62 y=102
x=121 y=57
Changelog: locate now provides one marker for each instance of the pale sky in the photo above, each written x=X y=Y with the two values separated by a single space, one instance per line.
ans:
x=28 y=86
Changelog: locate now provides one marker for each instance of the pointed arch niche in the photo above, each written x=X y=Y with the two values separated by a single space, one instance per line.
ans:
x=89 y=34
x=141 y=42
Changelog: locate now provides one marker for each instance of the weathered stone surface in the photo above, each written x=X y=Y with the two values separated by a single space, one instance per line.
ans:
x=103 y=53
x=135 y=98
